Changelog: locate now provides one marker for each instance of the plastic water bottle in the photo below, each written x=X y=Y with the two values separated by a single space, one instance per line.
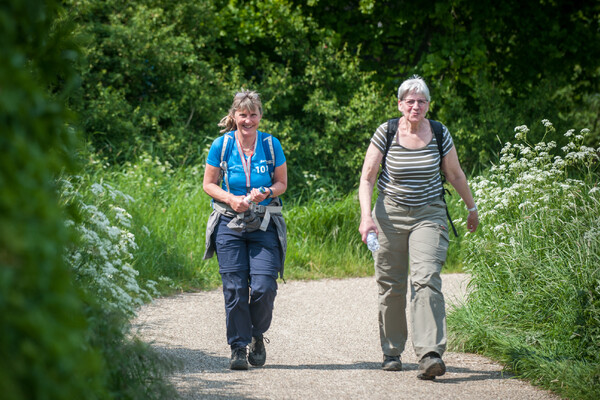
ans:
x=372 y=241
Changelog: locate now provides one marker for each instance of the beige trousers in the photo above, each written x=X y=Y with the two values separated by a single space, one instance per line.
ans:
x=421 y=235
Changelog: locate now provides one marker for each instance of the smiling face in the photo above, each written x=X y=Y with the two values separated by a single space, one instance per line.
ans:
x=414 y=106
x=247 y=121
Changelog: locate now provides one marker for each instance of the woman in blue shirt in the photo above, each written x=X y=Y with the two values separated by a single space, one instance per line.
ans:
x=245 y=173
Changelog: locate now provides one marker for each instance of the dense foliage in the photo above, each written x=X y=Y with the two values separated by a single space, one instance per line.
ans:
x=489 y=64
x=43 y=348
x=535 y=292
x=159 y=75
x=58 y=337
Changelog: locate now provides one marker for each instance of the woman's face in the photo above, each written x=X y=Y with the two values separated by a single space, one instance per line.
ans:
x=247 y=121
x=414 y=106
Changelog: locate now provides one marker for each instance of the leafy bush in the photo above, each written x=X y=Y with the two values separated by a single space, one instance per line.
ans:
x=481 y=78
x=535 y=264
x=58 y=339
x=44 y=352
x=101 y=256
x=159 y=75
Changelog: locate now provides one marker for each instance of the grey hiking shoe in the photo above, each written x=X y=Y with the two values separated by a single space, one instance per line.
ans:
x=258 y=353
x=391 y=363
x=238 y=359
x=430 y=366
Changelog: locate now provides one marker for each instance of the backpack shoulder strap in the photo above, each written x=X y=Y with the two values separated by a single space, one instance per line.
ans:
x=228 y=140
x=267 y=142
x=392 y=128
x=438 y=131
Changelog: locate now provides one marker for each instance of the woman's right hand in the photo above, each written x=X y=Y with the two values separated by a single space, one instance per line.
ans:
x=367 y=225
x=238 y=203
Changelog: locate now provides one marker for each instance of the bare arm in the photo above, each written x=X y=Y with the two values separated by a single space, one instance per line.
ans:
x=211 y=187
x=365 y=190
x=455 y=175
x=280 y=180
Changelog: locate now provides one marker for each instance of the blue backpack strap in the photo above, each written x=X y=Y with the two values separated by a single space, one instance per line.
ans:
x=267 y=142
x=228 y=140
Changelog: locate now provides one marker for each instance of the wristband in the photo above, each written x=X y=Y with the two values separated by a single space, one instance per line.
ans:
x=270 y=192
x=472 y=209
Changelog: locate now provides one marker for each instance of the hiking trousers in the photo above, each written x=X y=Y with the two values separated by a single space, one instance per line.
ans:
x=415 y=236
x=249 y=263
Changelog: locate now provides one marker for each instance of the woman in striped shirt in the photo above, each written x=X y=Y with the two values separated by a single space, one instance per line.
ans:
x=409 y=218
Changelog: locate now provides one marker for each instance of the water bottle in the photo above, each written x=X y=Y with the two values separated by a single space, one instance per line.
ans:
x=372 y=241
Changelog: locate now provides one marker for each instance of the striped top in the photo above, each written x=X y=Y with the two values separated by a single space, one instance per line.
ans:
x=411 y=176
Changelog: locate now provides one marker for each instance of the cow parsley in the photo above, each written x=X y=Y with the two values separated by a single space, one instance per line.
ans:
x=103 y=254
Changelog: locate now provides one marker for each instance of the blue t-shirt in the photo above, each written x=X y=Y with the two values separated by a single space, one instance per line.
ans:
x=259 y=175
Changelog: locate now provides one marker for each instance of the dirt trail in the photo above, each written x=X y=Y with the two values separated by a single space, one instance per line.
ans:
x=324 y=344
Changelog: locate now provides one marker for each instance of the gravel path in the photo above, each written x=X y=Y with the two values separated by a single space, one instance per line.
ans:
x=322 y=346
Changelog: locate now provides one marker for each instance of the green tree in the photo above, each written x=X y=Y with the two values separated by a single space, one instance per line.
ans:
x=489 y=65
x=159 y=75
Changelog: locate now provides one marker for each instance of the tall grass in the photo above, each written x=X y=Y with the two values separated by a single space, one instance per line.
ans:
x=169 y=213
x=535 y=265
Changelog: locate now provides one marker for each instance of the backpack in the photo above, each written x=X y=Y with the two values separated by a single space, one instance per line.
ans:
x=267 y=143
x=437 y=129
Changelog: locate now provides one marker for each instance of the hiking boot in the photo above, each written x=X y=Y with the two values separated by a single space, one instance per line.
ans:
x=258 y=354
x=391 y=363
x=238 y=359
x=431 y=365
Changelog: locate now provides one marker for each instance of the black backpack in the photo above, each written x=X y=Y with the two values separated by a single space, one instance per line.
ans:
x=437 y=129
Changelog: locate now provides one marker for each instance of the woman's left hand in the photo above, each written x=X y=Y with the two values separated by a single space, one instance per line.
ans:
x=472 y=221
x=256 y=196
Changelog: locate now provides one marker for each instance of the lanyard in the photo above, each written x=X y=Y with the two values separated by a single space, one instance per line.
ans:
x=246 y=165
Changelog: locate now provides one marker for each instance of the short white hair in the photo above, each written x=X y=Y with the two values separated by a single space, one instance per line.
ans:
x=414 y=84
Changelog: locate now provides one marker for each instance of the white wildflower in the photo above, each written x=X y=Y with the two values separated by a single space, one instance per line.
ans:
x=105 y=248
x=97 y=189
